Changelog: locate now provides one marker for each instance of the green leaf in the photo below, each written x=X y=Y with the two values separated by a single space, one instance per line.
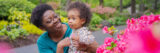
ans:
x=109 y=48
x=113 y=44
x=1 y=33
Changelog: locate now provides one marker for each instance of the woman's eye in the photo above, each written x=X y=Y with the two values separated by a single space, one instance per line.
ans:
x=56 y=16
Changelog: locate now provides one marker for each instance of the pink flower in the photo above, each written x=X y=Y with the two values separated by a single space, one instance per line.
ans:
x=108 y=41
x=111 y=30
x=101 y=49
x=4 y=48
x=105 y=29
x=143 y=41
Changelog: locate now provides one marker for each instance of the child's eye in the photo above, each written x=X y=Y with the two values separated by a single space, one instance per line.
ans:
x=68 y=18
x=74 y=18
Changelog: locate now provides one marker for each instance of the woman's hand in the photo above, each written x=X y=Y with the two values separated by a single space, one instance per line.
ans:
x=77 y=44
x=63 y=43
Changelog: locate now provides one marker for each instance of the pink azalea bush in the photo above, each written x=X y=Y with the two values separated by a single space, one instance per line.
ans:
x=5 y=48
x=138 y=37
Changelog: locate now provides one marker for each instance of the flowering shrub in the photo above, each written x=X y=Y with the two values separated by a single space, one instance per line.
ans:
x=21 y=5
x=5 y=48
x=30 y=28
x=110 y=30
x=3 y=24
x=138 y=37
x=16 y=15
x=103 y=10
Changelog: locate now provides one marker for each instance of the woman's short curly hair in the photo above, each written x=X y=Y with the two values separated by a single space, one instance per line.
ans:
x=37 y=14
x=84 y=11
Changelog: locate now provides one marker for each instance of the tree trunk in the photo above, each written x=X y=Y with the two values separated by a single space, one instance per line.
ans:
x=121 y=5
x=40 y=1
x=141 y=7
x=79 y=0
x=133 y=7
x=155 y=5
x=101 y=2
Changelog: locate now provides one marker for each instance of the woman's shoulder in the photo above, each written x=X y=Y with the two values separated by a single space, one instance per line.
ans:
x=68 y=27
x=66 y=24
x=42 y=37
x=68 y=31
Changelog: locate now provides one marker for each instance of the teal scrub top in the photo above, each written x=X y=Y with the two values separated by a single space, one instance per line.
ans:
x=46 y=45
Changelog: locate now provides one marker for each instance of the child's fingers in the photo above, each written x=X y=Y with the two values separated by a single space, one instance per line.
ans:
x=72 y=34
x=76 y=45
x=75 y=42
x=75 y=37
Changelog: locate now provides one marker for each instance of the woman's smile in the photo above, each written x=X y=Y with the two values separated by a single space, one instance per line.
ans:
x=58 y=25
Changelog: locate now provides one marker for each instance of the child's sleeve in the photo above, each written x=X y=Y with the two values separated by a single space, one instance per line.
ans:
x=86 y=37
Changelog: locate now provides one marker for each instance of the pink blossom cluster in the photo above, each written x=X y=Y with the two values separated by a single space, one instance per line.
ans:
x=110 y=30
x=140 y=23
x=103 y=10
x=112 y=46
x=4 y=47
x=138 y=37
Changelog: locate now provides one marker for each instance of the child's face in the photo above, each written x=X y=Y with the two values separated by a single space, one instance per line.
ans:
x=74 y=19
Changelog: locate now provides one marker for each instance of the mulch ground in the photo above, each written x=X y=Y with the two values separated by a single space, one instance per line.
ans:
x=19 y=42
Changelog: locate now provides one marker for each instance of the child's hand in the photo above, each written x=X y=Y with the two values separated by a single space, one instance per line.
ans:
x=75 y=43
x=75 y=37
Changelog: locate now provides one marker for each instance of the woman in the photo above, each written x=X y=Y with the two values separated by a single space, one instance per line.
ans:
x=56 y=36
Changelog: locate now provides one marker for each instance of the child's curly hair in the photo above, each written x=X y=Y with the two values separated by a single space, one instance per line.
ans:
x=84 y=11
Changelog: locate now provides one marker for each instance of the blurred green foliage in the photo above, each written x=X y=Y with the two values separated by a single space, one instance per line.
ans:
x=30 y=28
x=16 y=15
x=118 y=20
x=13 y=31
x=19 y=4
x=116 y=3
x=3 y=24
x=96 y=19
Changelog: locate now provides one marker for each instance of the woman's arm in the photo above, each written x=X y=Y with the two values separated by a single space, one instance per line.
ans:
x=63 y=43
x=43 y=48
x=92 y=47
x=60 y=49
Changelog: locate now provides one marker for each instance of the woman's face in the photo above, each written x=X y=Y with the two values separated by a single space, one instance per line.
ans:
x=51 y=21
x=74 y=20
